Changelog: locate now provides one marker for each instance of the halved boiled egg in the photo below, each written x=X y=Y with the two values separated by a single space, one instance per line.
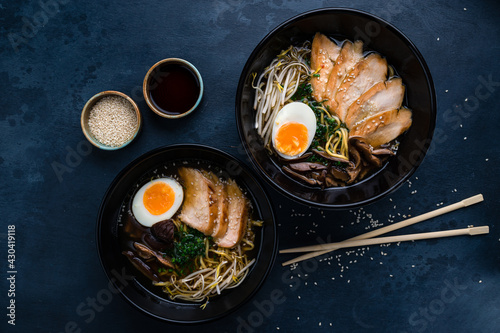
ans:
x=157 y=200
x=293 y=130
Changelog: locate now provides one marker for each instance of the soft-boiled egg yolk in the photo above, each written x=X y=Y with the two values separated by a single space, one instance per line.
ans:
x=291 y=138
x=157 y=200
x=293 y=130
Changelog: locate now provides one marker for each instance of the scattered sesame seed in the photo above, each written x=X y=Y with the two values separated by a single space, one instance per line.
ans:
x=437 y=38
x=465 y=138
x=446 y=91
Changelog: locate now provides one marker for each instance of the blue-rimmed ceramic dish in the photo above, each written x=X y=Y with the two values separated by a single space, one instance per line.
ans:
x=84 y=119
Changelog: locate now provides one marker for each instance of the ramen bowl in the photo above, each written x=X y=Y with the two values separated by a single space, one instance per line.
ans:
x=138 y=290
x=377 y=35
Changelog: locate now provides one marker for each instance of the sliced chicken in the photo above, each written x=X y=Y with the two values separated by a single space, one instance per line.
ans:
x=220 y=198
x=383 y=127
x=349 y=55
x=383 y=96
x=365 y=74
x=199 y=209
x=324 y=52
x=237 y=217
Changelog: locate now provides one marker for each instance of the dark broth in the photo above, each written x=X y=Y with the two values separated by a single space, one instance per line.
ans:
x=174 y=88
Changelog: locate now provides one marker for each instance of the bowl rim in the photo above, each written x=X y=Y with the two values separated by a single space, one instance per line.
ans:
x=86 y=111
x=145 y=88
x=386 y=24
x=266 y=199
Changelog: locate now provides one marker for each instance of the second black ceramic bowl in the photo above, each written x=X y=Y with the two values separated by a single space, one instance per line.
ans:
x=377 y=35
x=138 y=290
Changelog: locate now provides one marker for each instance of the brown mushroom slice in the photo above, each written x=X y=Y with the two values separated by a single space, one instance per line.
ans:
x=306 y=166
x=365 y=151
x=299 y=176
x=143 y=249
x=150 y=240
x=354 y=169
x=349 y=55
x=164 y=231
x=339 y=174
x=331 y=181
x=365 y=74
x=141 y=266
x=324 y=53
x=318 y=176
x=383 y=127
x=382 y=97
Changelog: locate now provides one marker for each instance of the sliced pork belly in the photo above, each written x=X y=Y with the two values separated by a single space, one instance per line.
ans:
x=220 y=199
x=383 y=127
x=383 y=96
x=349 y=55
x=199 y=209
x=237 y=211
x=365 y=74
x=324 y=52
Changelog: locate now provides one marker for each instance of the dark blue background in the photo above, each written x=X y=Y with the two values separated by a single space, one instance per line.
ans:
x=84 y=48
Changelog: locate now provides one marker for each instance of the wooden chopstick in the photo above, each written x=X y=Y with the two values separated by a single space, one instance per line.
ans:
x=473 y=231
x=443 y=210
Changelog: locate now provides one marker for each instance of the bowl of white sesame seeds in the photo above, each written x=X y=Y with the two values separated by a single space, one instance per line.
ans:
x=110 y=120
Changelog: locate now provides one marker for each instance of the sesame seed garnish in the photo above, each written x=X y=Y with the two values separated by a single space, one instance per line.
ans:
x=112 y=121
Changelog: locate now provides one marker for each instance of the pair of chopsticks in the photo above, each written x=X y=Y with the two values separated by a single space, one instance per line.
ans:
x=367 y=239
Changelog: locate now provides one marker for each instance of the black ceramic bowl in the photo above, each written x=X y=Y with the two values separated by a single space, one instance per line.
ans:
x=377 y=35
x=139 y=290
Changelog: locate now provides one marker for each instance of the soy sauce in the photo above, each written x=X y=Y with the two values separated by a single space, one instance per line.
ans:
x=174 y=88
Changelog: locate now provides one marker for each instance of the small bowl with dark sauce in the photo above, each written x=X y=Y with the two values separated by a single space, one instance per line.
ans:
x=173 y=88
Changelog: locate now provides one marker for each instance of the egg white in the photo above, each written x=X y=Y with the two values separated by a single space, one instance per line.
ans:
x=297 y=112
x=141 y=213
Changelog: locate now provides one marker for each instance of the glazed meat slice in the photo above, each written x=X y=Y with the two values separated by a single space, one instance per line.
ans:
x=365 y=74
x=350 y=55
x=324 y=52
x=383 y=127
x=383 y=96
x=220 y=199
x=199 y=209
x=237 y=211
